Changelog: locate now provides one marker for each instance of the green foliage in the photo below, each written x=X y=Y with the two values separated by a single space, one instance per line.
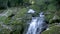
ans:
x=35 y=7
x=16 y=29
x=51 y=7
x=17 y=25
x=18 y=22
x=4 y=31
x=26 y=1
x=2 y=18
x=39 y=2
x=52 y=30
x=21 y=12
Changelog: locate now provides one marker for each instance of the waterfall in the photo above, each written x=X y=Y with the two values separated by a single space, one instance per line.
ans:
x=37 y=24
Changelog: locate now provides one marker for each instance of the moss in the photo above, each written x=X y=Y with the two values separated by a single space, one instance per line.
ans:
x=48 y=16
x=16 y=29
x=52 y=30
x=5 y=31
x=17 y=25
x=2 y=18
x=22 y=12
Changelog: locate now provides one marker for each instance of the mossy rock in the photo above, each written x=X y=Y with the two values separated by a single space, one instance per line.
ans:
x=55 y=19
x=16 y=29
x=5 y=31
x=52 y=30
x=22 y=12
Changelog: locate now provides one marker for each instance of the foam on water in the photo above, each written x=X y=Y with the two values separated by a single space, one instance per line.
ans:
x=37 y=25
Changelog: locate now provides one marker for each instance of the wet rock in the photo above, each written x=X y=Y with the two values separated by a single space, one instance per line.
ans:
x=31 y=11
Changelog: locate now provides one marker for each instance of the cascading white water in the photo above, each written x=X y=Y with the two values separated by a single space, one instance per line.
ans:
x=32 y=27
x=37 y=25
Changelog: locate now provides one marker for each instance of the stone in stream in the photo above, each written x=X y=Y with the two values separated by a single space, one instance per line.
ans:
x=31 y=11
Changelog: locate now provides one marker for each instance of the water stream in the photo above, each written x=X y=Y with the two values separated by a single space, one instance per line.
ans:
x=37 y=24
